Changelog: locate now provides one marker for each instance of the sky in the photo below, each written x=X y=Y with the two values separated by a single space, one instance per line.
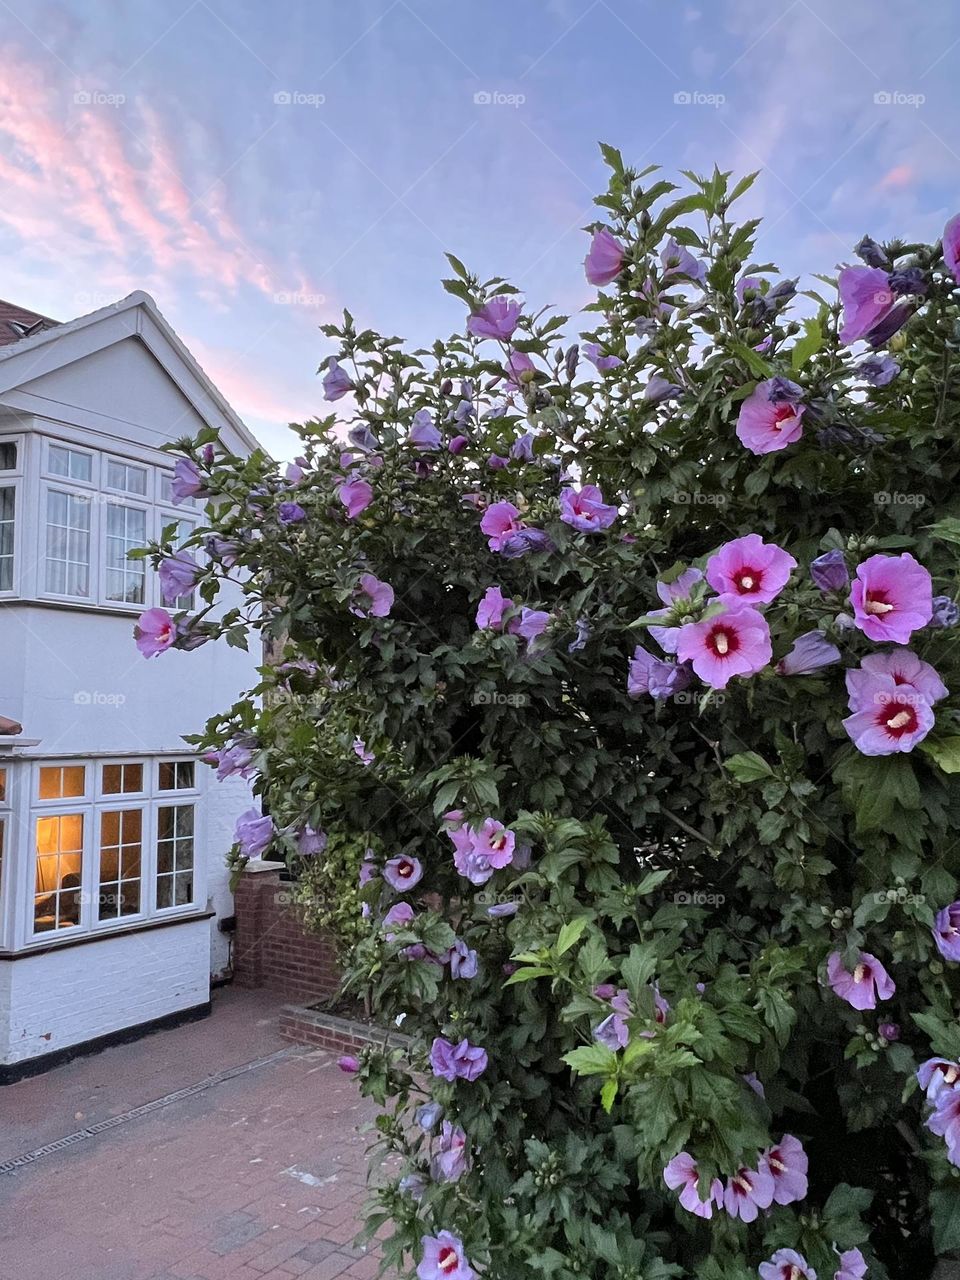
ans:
x=258 y=166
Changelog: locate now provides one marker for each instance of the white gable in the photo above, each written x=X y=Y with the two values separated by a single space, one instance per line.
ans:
x=121 y=384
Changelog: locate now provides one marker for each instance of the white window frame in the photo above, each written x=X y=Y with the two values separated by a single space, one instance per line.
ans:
x=147 y=496
x=103 y=567
x=48 y=473
x=84 y=494
x=91 y=805
x=13 y=479
x=7 y=834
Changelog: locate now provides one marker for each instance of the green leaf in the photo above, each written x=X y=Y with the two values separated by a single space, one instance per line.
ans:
x=607 y=1095
x=945 y=752
x=570 y=933
x=457 y=265
x=808 y=345
x=592 y=1060
x=748 y=766
x=527 y=975
x=945 y=1218
x=946 y=530
x=754 y=362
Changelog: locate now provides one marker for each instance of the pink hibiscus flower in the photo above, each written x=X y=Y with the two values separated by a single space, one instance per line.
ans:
x=735 y=643
x=499 y=521
x=951 y=246
x=155 y=632
x=868 y=983
x=909 y=673
x=682 y=1174
x=491 y=609
x=765 y=425
x=604 y=260
x=356 y=496
x=887 y=717
x=892 y=596
x=749 y=571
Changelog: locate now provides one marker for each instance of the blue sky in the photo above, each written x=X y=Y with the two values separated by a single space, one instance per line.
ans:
x=257 y=166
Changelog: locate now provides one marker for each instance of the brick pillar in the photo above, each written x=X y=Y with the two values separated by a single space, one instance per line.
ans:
x=253 y=899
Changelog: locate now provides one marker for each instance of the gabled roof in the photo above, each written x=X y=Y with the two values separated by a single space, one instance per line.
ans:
x=17 y=323
x=137 y=315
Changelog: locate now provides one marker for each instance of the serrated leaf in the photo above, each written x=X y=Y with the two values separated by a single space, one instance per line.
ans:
x=748 y=766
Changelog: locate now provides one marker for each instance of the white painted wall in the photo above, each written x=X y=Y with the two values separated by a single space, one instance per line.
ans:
x=70 y=995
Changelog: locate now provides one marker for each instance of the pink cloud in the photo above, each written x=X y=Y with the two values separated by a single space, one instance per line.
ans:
x=104 y=186
x=897 y=178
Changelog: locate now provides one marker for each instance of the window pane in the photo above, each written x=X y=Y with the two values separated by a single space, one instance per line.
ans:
x=3 y=786
x=121 y=847
x=68 y=544
x=175 y=853
x=126 y=529
x=69 y=463
x=57 y=781
x=7 y=505
x=57 y=894
x=8 y=456
x=3 y=828
x=176 y=775
x=119 y=778
x=130 y=479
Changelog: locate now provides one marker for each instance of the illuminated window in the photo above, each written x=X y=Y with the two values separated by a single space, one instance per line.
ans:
x=176 y=775
x=174 y=856
x=121 y=847
x=58 y=893
x=121 y=779
x=59 y=782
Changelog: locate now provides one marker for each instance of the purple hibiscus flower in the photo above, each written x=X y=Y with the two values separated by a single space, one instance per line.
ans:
x=868 y=983
x=452 y=1158
x=498 y=522
x=253 y=833
x=682 y=1174
x=747 y=1192
x=530 y=625
x=291 y=513
x=946 y=932
x=310 y=842
x=496 y=319
x=491 y=609
x=444 y=1259
x=604 y=260
x=810 y=652
x=336 y=382
x=878 y=370
x=516 y=545
x=375 y=598
x=424 y=434
x=787 y=1264
x=495 y=843
x=910 y=674
x=829 y=571
x=871 y=309
x=853 y=1266
x=735 y=643
x=585 y=510
x=462 y=960
x=887 y=718
x=787 y=1164
x=936 y=1075
x=356 y=496
x=945 y=1122
x=660 y=679
x=951 y=246
x=659 y=389
x=155 y=632
x=679 y=261
x=179 y=575
x=463 y=1061
x=187 y=482
x=591 y=351
x=400 y=913
x=403 y=873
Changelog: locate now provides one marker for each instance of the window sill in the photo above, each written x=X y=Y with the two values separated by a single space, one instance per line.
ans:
x=44 y=945
x=77 y=606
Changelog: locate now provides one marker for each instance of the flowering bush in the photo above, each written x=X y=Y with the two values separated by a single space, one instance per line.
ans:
x=632 y=665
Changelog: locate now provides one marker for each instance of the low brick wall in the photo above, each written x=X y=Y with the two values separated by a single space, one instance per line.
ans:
x=326 y=1031
x=271 y=948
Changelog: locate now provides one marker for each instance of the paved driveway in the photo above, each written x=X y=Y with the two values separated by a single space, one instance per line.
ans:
x=254 y=1168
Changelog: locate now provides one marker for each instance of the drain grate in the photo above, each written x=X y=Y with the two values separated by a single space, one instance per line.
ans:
x=81 y=1135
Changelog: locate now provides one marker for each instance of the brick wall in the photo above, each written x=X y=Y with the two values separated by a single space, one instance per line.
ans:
x=271 y=948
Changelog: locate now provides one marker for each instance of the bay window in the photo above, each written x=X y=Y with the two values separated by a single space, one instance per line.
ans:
x=126 y=529
x=68 y=530
x=113 y=843
x=10 y=451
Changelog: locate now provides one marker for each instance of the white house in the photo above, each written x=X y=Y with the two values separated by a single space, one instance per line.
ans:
x=112 y=836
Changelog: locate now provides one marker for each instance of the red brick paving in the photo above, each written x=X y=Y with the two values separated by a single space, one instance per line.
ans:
x=260 y=1176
